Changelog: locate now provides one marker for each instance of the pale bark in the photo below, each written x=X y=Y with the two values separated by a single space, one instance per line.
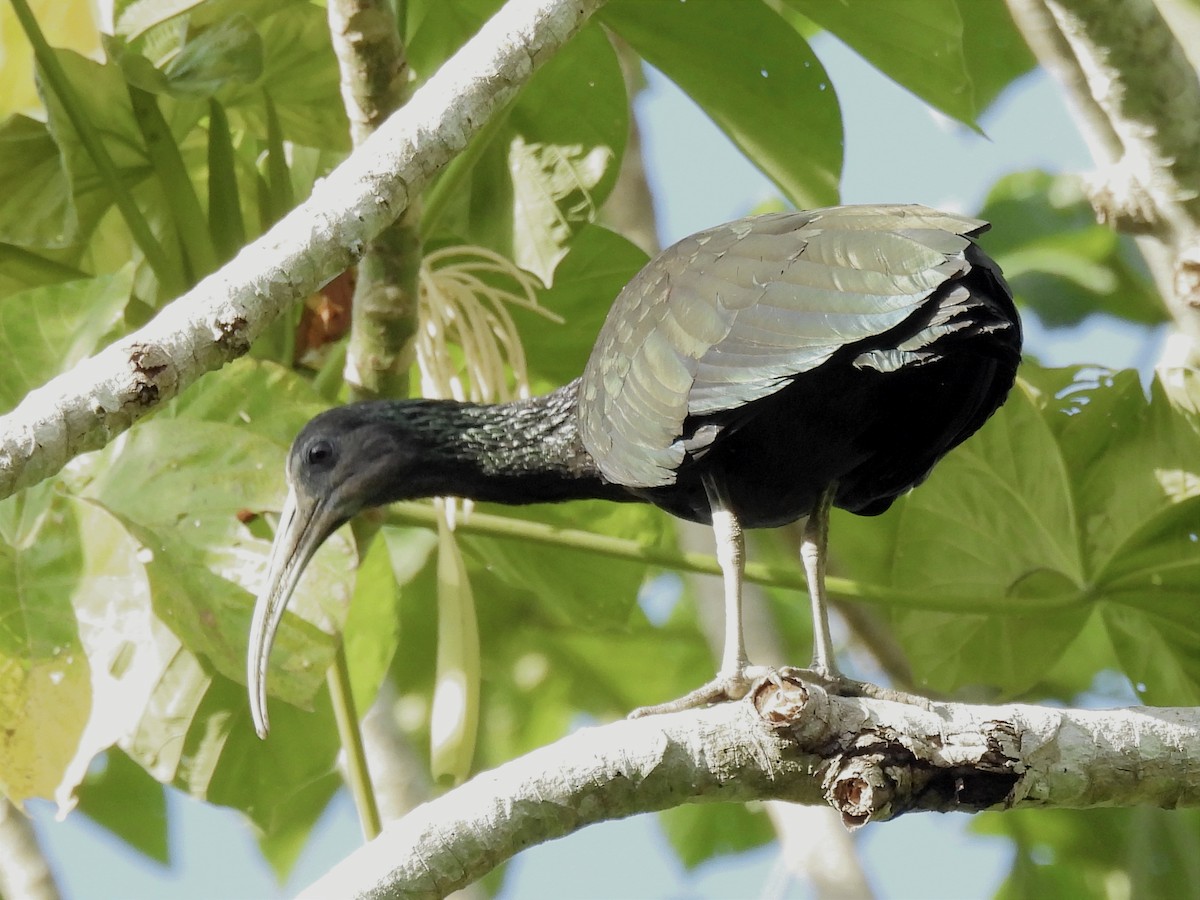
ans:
x=868 y=759
x=24 y=872
x=1137 y=100
x=374 y=74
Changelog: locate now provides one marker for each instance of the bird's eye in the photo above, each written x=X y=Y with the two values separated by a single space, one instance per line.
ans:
x=319 y=453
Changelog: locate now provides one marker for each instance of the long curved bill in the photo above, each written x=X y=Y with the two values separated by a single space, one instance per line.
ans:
x=302 y=529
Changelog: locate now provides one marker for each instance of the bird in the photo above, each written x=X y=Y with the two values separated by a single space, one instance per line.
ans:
x=751 y=375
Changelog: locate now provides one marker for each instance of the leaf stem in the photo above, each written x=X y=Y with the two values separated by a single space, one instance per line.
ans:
x=357 y=776
x=489 y=525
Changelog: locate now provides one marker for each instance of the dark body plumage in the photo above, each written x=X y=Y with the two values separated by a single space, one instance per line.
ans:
x=752 y=367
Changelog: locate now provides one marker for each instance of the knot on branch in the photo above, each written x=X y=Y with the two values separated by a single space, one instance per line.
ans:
x=154 y=374
x=1187 y=275
x=884 y=759
x=1122 y=195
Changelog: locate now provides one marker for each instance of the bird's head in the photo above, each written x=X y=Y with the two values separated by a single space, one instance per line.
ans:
x=343 y=461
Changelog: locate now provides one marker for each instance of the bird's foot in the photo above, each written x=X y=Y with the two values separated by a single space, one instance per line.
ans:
x=722 y=689
x=836 y=683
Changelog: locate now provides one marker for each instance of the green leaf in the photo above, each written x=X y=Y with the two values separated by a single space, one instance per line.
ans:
x=21 y=269
x=764 y=86
x=1006 y=487
x=230 y=51
x=123 y=798
x=299 y=78
x=372 y=627
x=35 y=203
x=435 y=30
x=1139 y=852
x=47 y=330
x=1058 y=260
x=1067 y=524
x=540 y=174
x=586 y=282
x=45 y=678
x=993 y=49
x=572 y=586
x=183 y=485
x=700 y=831
x=917 y=43
x=102 y=88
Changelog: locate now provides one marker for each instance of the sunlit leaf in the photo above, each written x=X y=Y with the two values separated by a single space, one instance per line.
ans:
x=35 y=203
x=918 y=44
x=543 y=171
x=68 y=24
x=123 y=798
x=299 y=76
x=1077 y=503
x=230 y=51
x=45 y=677
x=699 y=832
x=47 y=330
x=763 y=86
x=994 y=51
x=586 y=282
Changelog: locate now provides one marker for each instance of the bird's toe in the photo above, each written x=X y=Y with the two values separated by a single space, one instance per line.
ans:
x=722 y=689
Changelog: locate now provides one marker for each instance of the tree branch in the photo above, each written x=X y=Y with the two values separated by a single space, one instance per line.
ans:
x=1137 y=95
x=374 y=69
x=869 y=759
x=24 y=871
x=217 y=321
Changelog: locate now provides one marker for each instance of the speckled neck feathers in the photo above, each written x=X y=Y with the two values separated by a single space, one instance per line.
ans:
x=526 y=451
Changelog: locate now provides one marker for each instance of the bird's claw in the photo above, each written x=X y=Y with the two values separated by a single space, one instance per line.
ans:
x=722 y=689
x=839 y=685
x=729 y=687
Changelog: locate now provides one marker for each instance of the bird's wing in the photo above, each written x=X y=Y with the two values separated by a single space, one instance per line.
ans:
x=729 y=315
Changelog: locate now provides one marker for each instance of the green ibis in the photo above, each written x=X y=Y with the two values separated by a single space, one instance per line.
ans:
x=751 y=375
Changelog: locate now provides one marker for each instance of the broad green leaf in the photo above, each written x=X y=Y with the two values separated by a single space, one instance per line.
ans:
x=103 y=91
x=586 y=282
x=700 y=831
x=1068 y=524
x=35 y=203
x=300 y=78
x=262 y=397
x=45 y=676
x=122 y=797
x=1057 y=259
x=267 y=779
x=1006 y=487
x=1138 y=852
x=435 y=30
x=372 y=627
x=68 y=24
x=186 y=483
x=21 y=269
x=47 y=330
x=994 y=51
x=582 y=588
x=916 y=43
x=293 y=820
x=760 y=82
x=230 y=51
x=540 y=174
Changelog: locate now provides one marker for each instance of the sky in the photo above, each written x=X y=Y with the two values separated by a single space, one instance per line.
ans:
x=927 y=159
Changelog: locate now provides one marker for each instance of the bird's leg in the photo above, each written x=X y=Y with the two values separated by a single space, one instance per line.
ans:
x=736 y=675
x=812 y=553
x=731 y=556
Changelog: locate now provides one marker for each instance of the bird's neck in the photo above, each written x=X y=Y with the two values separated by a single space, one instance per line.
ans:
x=526 y=451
